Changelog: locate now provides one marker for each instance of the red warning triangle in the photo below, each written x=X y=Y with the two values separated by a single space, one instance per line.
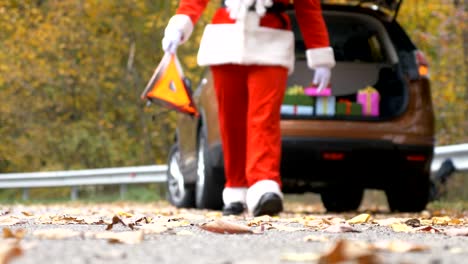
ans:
x=167 y=87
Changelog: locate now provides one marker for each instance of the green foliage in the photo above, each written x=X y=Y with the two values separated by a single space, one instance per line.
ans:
x=437 y=27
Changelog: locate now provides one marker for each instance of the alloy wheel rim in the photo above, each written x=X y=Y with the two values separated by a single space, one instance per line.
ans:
x=175 y=180
x=200 y=171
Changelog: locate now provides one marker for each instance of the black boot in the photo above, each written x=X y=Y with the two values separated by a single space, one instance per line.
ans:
x=235 y=208
x=269 y=204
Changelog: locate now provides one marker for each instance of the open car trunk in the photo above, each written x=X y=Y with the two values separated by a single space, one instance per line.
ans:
x=366 y=61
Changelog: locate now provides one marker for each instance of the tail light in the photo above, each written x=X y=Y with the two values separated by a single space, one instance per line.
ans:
x=422 y=63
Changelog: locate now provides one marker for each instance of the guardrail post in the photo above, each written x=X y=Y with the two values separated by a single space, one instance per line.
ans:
x=123 y=191
x=25 y=194
x=74 y=193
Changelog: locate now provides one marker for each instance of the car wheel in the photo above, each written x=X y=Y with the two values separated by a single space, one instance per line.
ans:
x=179 y=194
x=210 y=181
x=410 y=196
x=342 y=199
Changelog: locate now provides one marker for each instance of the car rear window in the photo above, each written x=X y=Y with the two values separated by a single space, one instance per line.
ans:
x=352 y=39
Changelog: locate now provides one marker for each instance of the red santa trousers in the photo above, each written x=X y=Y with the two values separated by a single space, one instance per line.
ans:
x=249 y=101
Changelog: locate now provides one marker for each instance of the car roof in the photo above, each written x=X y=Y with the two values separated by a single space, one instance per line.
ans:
x=387 y=8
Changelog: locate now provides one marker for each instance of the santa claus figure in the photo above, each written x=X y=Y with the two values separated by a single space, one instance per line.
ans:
x=249 y=46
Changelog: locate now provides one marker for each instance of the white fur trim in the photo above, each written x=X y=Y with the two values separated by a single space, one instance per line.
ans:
x=234 y=194
x=241 y=44
x=320 y=57
x=183 y=23
x=255 y=192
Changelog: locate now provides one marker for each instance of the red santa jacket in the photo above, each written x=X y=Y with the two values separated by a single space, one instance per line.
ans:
x=264 y=40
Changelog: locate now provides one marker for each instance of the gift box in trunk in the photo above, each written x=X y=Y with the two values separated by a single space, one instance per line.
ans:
x=325 y=106
x=297 y=104
x=346 y=107
x=369 y=98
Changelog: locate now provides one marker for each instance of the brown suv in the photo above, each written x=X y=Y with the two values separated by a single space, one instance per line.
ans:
x=335 y=155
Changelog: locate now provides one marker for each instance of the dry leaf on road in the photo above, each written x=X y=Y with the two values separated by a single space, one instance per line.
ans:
x=350 y=251
x=10 y=220
x=360 y=219
x=300 y=257
x=18 y=234
x=400 y=227
x=9 y=249
x=399 y=246
x=340 y=228
x=428 y=229
x=225 y=227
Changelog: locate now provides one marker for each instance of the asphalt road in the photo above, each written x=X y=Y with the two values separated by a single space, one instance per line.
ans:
x=181 y=239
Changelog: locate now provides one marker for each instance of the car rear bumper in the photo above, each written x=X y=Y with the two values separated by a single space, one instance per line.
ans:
x=319 y=162
x=314 y=163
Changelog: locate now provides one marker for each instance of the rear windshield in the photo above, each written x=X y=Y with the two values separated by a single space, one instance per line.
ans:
x=352 y=39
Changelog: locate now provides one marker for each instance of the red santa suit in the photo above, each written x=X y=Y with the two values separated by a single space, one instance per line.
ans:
x=250 y=55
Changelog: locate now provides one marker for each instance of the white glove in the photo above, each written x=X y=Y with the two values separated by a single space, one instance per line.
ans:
x=171 y=40
x=322 y=77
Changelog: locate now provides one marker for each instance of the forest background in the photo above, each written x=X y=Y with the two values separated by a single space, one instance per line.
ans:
x=71 y=72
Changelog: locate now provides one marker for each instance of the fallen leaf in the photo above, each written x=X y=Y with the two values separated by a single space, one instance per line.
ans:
x=445 y=220
x=127 y=237
x=399 y=246
x=300 y=257
x=413 y=222
x=116 y=220
x=350 y=252
x=27 y=213
x=259 y=220
x=18 y=234
x=340 y=228
x=360 y=219
x=58 y=233
x=124 y=214
x=225 y=227
x=214 y=215
x=313 y=238
x=456 y=232
x=400 y=227
x=428 y=229
x=9 y=250
x=10 y=220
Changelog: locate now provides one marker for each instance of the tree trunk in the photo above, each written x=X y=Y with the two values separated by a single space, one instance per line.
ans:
x=465 y=52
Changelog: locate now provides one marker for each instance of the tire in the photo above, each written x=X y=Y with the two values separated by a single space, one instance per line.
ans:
x=342 y=199
x=410 y=196
x=179 y=194
x=210 y=181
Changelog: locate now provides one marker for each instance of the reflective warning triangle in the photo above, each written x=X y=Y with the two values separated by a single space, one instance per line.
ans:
x=168 y=88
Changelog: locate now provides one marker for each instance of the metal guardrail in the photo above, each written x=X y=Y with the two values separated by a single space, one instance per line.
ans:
x=106 y=176
x=456 y=156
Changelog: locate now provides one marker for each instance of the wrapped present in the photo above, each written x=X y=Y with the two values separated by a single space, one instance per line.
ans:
x=325 y=105
x=313 y=91
x=297 y=110
x=299 y=99
x=346 y=107
x=369 y=98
